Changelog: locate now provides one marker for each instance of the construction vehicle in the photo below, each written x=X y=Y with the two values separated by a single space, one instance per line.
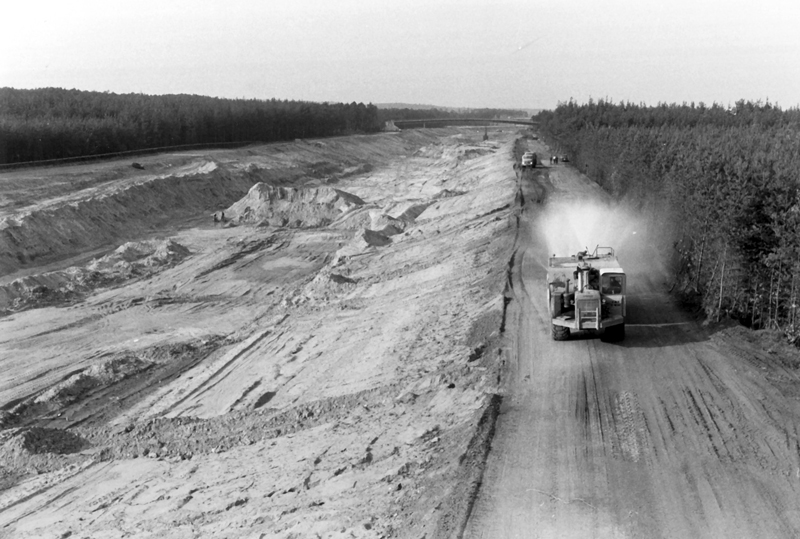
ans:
x=592 y=299
x=529 y=159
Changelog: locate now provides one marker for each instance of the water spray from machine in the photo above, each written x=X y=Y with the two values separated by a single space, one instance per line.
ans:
x=578 y=225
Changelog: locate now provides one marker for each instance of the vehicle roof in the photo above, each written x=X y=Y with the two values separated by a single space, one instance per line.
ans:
x=571 y=262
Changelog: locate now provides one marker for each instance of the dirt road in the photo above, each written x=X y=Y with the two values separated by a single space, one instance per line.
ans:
x=676 y=432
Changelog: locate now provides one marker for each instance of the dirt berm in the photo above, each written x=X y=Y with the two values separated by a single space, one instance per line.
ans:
x=51 y=214
x=291 y=206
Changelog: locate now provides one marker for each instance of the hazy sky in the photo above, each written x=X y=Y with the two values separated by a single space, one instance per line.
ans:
x=472 y=53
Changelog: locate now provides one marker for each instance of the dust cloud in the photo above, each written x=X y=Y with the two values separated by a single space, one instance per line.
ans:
x=569 y=226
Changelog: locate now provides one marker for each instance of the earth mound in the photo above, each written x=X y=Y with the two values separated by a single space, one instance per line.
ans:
x=38 y=440
x=88 y=220
x=292 y=207
x=130 y=260
x=363 y=240
x=37 y=450
x=389 y=220
x=386 y=224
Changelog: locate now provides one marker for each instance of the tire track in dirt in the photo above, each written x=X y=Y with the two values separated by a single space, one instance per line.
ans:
x=203 y=379
x=114 y=382
x=664 y=435
x=631 y=433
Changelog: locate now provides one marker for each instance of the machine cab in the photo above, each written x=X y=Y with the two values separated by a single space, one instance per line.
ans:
x=612 y=283
x=613 y=289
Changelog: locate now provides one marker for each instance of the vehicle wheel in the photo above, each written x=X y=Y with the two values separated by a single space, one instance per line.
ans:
x=560 y=333
x=614 y=334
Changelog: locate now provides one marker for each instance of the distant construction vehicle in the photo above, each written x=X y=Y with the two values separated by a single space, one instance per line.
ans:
x=594 y=299
x=529 y=159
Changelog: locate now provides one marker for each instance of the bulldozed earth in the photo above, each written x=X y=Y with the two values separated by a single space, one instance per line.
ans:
x=289 y=340
x=326 y=338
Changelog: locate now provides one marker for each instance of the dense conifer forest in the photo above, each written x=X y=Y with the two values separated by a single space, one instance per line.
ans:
x=721 y=183
x=385 y=114
x=53 y=123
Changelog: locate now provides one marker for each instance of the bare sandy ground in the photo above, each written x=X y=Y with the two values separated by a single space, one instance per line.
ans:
x=338 y=355
x=322 y=363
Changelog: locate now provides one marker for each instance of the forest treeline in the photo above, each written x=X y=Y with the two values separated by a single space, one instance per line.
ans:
x=54 y=123
x=722 y=184
x=385 y=114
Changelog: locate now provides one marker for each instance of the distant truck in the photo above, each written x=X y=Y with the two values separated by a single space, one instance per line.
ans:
x=529 y=159
x=587 y=292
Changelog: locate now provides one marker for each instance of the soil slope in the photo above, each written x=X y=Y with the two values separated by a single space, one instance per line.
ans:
x=321 y=362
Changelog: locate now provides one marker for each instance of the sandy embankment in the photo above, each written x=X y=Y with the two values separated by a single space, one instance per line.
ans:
x=328 y=366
